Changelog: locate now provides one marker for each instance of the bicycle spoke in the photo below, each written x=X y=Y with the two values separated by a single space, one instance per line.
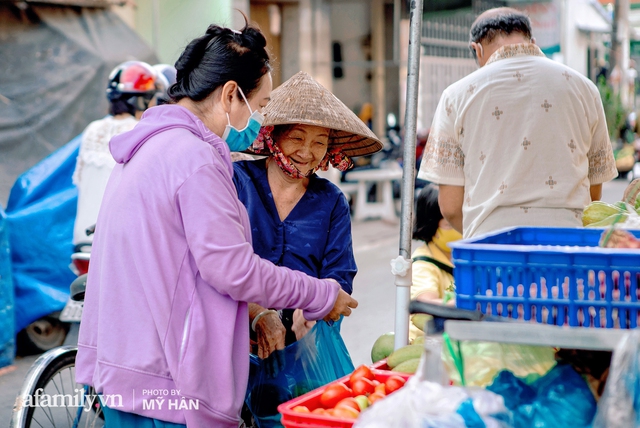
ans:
x=64 y=393
x=56 y=402
x=36 y=421
x=59 y=386
x=49 y=414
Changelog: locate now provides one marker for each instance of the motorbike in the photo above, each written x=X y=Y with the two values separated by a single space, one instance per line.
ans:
x=72 y=312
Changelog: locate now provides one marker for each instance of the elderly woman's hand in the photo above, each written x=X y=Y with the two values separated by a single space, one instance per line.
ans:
x=300 y=325
x=270 y=334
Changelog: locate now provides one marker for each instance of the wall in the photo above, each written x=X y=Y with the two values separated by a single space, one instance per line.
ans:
x=260 y=14
x=574 y=50
x=392 y=75
x=290 y=42
x=169 y=25
x=350 y=25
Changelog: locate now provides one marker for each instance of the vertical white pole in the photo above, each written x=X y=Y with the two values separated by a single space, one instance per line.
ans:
x=403 y=282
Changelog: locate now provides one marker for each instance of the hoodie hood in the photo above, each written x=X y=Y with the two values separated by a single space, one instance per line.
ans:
x=159 y=119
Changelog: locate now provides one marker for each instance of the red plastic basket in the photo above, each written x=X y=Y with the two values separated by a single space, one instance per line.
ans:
x=311 y=400
x=380 y=365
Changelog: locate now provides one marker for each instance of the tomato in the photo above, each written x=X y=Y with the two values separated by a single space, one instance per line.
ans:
x=360 y=372
x=301 y=409
x=376 y=382
x=349 y=402
x=394 y=383
x=333 y=394
x=381 y=389
x=375 y=397
x=345 y=412
x=362 y=386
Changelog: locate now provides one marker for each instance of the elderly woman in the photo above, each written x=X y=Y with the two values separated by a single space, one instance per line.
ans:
x=298 y=219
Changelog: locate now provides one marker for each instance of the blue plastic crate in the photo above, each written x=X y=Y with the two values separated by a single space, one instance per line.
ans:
x=549 y=275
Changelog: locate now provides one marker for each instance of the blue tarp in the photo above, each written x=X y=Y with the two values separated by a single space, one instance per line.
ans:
x=40 y=214
x=7 y=341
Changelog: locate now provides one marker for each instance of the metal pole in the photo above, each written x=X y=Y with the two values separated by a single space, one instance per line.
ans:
x=402 y=265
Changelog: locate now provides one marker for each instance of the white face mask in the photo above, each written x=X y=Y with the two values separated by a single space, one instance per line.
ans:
x=239 y=140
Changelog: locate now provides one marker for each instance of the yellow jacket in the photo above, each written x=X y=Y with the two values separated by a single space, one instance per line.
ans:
x=428 y=277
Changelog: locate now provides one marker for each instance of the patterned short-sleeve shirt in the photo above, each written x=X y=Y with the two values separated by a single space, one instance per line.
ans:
x=525 y=136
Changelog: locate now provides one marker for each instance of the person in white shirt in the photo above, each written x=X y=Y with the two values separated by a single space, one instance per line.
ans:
x=132 y=85
x=522 y=141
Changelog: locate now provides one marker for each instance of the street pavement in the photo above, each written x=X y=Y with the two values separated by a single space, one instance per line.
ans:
x=375 y=245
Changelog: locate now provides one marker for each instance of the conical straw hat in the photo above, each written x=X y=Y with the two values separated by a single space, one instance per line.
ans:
x=302 y=100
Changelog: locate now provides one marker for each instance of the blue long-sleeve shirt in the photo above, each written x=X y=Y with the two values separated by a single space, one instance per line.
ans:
x=315 y=238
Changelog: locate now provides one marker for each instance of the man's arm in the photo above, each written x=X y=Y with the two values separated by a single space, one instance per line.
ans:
x=450 y=199
x=596 y=192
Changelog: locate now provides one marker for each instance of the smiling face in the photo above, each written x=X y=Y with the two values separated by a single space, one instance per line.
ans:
x=304 y=145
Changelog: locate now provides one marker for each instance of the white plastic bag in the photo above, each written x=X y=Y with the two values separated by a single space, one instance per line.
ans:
x=619 y=406
x=632 y=221
x=424 y=404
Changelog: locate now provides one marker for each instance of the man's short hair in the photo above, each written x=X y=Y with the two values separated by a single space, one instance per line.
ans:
x=504 y=23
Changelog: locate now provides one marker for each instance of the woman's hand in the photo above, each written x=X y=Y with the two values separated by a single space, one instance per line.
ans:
x=342 y=306
x=300 y=325
x=270 y=333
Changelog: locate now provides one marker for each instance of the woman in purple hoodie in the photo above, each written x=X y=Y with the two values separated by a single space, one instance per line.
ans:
x=164 y=334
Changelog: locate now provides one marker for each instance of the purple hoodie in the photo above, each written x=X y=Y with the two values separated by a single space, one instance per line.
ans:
x=165 y=328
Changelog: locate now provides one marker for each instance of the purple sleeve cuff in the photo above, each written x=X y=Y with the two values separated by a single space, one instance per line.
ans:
x=328 y=296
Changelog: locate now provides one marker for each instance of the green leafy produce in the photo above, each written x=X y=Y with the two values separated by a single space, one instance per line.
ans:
x=597 y=211
x=621 y=205
x=608 y=221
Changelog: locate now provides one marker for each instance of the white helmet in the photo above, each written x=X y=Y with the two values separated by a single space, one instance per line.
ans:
x=166 y=77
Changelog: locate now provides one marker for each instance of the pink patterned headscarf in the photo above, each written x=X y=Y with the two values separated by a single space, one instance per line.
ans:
x=334 y=156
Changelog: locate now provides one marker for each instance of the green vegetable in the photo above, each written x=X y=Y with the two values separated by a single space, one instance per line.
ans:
x=608 y=221
x=621 y=205
x=597 y=211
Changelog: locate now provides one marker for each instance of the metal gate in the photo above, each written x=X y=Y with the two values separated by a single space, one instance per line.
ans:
x=446 y=57
x=436 y=73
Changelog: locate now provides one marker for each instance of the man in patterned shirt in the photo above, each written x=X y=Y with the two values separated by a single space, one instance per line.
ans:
x=522 y=141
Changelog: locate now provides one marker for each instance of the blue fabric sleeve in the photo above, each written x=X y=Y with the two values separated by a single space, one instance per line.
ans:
x=338 y=262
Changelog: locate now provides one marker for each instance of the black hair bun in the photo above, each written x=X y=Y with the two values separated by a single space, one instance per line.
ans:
x=253 y=38
x=216 y=31
x=192 y=55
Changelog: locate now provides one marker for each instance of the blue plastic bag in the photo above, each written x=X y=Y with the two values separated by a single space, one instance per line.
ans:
x=559 y=399
x=317 y=359
x=40 y=214
x=7 y=316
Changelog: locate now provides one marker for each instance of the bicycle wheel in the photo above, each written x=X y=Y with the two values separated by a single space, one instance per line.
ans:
x=50 y=396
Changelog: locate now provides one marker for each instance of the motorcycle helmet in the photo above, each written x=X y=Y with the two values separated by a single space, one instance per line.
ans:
x=133 y=82
x=166 y=78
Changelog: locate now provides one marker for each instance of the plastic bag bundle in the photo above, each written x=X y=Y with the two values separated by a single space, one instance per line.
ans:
x=619 y=406
x=317 y=359
x=561 y=398
x=424 y=404
x=632 y=220
x=480 y=362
